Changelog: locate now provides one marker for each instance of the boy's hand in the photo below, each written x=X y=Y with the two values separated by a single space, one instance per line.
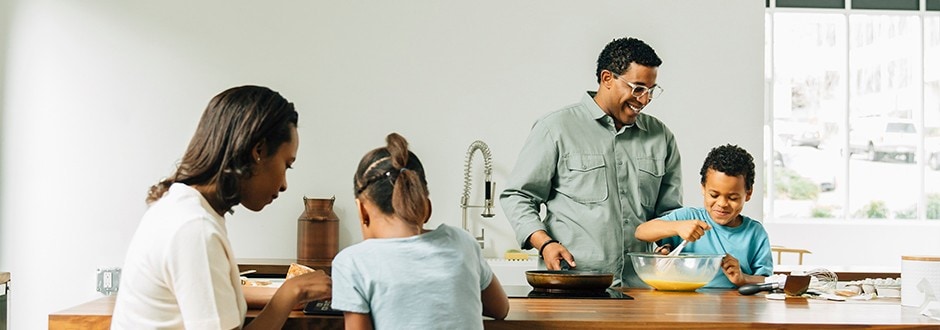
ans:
x=691 y=230
x=732 y=269
x=663 y=249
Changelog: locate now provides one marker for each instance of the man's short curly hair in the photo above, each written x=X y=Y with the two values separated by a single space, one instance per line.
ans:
x=619 y=53
x=730 y=160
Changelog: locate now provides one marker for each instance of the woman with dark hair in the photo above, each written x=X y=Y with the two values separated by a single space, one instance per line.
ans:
x=180 y=270
x=403 y=276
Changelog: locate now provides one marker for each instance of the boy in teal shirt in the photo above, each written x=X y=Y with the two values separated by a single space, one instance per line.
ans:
x=719 y=227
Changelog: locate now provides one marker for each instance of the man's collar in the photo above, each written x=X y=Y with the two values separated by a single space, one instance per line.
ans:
x=598 y=114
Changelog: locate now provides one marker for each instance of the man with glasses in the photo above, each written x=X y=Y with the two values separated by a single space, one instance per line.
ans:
x=601 y=167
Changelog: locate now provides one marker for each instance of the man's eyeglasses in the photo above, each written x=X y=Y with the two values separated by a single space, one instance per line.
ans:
x=639 y=90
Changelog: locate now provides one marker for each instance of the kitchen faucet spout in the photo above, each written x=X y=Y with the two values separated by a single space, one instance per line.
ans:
x=489 y=185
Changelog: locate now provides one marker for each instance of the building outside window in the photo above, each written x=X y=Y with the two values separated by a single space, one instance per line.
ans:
x=853 y=112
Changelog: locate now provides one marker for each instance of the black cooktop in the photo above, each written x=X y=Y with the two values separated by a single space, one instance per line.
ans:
x=525 y=291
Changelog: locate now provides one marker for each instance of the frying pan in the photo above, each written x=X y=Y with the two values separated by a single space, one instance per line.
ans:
x=568 y=280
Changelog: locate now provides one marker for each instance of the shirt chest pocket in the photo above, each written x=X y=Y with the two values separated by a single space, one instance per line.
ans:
x=584 y=178
x=650 y=177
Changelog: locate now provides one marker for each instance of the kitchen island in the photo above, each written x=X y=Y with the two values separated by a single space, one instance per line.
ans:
x=704 y=309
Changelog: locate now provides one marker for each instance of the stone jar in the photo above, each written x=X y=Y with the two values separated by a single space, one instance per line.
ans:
x=317 y=230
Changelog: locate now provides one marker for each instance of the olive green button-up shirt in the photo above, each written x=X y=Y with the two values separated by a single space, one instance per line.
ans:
x=597 y=184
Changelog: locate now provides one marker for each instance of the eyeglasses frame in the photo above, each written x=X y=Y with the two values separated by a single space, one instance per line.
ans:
x=653 y=92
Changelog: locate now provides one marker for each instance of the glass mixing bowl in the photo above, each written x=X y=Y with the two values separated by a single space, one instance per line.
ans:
x=684 y=272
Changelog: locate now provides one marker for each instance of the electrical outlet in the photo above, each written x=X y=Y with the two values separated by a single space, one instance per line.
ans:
x=109 y=280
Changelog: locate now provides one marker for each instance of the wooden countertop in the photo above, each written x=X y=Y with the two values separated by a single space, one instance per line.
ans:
x=718 y=309
x=650 y=309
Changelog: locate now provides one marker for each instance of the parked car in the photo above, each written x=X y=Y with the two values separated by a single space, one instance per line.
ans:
x=932 y=145
x=883 y=138
x=795 y=133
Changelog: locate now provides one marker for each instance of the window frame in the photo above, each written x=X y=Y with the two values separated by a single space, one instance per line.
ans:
x=918 y=77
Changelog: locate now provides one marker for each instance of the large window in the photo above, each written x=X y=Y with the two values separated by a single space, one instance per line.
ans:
x=854 y=114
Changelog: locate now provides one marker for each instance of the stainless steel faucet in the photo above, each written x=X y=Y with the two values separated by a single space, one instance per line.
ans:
x=489 y=187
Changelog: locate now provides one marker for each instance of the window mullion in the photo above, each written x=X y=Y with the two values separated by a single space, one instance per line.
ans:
x=845 y=119
x=921 y=147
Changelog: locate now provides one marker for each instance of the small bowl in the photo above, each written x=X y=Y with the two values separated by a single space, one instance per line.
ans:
x=684 y=272
x=888 y=291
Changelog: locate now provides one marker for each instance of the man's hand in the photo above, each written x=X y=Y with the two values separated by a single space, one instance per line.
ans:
x=553 y=253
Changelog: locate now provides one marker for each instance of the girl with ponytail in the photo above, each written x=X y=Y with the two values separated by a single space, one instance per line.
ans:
x=403 y=276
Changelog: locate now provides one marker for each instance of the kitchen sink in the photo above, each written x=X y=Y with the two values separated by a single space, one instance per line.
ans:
x=512 y=272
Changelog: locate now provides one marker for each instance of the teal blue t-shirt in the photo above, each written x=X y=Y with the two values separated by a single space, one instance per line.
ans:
x=748 y=243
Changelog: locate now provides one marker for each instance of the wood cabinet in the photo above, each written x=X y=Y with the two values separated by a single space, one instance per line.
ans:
x=268 y=267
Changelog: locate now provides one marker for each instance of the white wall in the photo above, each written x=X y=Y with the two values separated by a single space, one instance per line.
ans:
x=102 y=96
x=5 y=14
x=867 y=242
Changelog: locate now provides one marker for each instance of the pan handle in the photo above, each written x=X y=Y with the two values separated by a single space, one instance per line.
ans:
x=749 y=289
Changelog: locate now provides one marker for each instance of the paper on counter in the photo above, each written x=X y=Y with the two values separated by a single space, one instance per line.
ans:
x=930 y=307
x=932 y=310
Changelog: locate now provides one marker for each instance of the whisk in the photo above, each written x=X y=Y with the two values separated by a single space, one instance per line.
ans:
x=664 y=265
x=678 y=248
x=822 y=280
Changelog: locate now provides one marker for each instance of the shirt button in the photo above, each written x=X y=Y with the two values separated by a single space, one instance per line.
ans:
x=620 y=163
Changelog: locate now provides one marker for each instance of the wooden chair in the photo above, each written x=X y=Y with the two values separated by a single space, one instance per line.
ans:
x=780 y=250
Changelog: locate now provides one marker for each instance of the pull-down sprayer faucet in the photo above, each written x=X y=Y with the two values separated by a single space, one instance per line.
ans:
x=489 y=187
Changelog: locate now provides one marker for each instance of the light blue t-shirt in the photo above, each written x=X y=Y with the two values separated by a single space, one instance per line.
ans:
x=429 y=281
x=748 y=243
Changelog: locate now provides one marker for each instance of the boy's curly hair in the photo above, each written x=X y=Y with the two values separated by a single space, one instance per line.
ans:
x=730 y=160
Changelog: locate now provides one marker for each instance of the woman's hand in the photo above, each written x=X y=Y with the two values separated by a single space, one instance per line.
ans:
x=311 y=286
x=296 y=291
x=258 y=296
